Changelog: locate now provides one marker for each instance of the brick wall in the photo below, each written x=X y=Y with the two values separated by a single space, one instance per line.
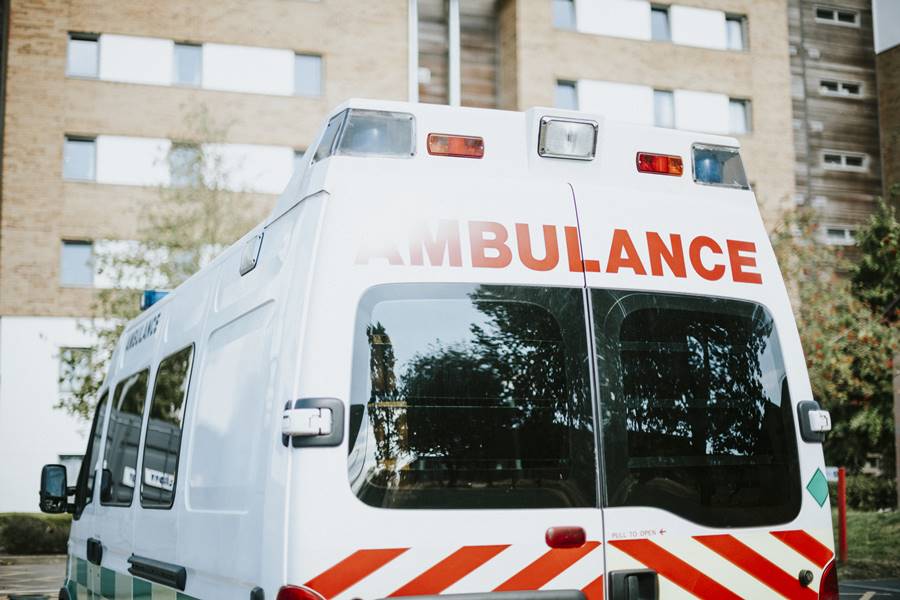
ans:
x=42 y=105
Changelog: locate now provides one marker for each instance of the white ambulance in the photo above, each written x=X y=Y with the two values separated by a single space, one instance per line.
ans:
x=471 y=353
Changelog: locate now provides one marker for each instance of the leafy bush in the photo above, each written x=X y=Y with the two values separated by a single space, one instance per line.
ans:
x=34 y=534
x=867 y=493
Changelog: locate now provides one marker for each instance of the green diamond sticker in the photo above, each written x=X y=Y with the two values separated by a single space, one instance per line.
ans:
x=818 y=487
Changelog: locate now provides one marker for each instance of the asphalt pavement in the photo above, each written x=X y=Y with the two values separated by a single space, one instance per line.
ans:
x=41 y=576
x=31 y=575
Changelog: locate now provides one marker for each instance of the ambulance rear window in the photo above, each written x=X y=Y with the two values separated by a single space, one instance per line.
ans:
x=696 y=410
x=471 y=396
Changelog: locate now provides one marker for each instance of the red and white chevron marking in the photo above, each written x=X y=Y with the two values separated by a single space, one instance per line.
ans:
x=714 y=567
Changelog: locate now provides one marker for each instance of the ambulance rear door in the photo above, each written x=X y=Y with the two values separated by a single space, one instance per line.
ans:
x=707 y=489
x=471 y=439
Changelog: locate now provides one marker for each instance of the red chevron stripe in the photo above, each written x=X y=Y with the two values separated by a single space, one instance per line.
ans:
x=806 y=545
x=450 y=570
x=352 y=569
x=674 y=569
x=747 y=559
x=545 y=568
x=594 y=590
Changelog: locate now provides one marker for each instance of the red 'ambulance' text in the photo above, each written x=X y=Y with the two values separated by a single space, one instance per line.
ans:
x=493 y=246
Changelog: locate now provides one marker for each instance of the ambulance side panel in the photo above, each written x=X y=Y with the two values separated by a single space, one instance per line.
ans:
x=230 y=519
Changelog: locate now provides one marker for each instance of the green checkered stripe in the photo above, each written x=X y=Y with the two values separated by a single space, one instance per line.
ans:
x=87 y=581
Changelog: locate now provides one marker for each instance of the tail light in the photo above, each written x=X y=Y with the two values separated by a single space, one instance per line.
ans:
x=663 y=164
x=565 y=537
x=460 y=146
x=828 y=587
x=293 y=592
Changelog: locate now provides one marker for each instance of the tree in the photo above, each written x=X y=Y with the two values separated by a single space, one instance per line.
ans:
x=876 y=277
x=848 y=347
x=198 y=215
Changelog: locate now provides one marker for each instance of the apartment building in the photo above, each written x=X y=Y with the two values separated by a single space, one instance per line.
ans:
x=835 y=102
x=97 y=93
x=886 y=18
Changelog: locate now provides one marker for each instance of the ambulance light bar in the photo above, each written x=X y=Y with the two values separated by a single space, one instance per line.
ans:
x=378 y=133
x=662 y=164
x=459 y=146
x=719 y=165
x=151 y=297
x=567 y=138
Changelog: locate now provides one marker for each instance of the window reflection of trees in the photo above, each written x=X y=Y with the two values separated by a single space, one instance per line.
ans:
x=163 y=440
x=503 y=408
x=698 y=416
x=124 y=432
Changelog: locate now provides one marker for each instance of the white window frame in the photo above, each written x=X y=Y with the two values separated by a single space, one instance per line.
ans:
x=843 y=166
x=841 y=88
x=834 y=11
x=848 y=238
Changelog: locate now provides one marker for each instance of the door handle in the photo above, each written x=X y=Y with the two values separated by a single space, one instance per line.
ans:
x=94 y=551
x=636 y=584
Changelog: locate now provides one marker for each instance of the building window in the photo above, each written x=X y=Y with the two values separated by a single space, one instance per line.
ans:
x=80 y=158
x=76 y=263
x=188 y=68
x=659 y=24
x=837 y=16
x=833 y=87
x=835 y=160
x=564 y=14
x=738 y=116
x=307 y=75
x=84 y=55
x=663 y=108
x=185 y=165
x=74 y=368
x=839 y=236
x=735 y=29
x=566 y=95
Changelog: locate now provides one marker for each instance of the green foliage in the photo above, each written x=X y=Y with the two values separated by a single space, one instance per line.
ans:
x=866 y=493
x=22 y=533
x=876 y=276
x=196 y=217
x=849 y=348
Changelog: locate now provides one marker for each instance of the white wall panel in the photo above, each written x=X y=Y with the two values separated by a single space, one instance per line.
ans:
x=886 y=17
x=697 y=27
x=32 y=432
x=617 y=101
x=254 y=168
x=136 y=59
x=621 y=18
x=132 y=160
x=248 y=69
x=701 y=111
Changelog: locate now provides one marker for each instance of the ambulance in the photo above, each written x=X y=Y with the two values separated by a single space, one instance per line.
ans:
x=478 y=354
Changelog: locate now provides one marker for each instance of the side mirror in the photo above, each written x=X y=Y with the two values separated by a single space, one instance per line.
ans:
x=105 y=485
x=54 y=489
